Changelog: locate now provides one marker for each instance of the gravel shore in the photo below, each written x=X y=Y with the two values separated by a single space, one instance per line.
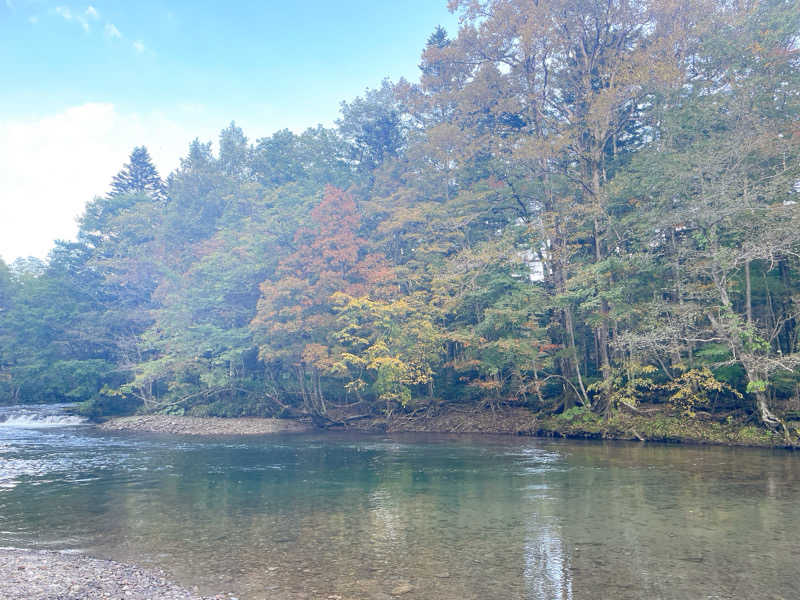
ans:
x=40 y=575
x=204 y=425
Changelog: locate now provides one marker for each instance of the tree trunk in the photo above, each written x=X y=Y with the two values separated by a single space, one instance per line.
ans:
x=748 y=294
x=602 y=330
x=574 y=355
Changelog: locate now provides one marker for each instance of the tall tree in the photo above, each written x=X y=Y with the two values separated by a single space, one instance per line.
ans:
x=234 y=153
x=294 y=319
x=372 y=126
x=718 y=210
x=551 y=94
x=138 y=176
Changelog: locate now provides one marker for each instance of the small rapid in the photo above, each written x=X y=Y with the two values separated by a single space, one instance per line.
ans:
x=38 y=416
x=36 y=442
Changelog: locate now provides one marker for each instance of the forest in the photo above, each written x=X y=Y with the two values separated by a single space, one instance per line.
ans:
x=581 y=206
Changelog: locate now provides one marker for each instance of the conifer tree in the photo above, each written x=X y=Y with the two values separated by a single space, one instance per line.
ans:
x=138 y=176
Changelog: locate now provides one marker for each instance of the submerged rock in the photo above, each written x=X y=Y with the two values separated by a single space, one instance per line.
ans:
x=402 y=589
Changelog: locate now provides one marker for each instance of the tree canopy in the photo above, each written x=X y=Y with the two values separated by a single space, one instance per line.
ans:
x=579 y=205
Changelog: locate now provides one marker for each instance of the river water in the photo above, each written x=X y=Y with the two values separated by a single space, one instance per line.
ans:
x=359 y=516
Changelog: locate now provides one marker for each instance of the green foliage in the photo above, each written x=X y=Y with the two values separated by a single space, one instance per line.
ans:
x=576 y=413
x=609 y=226
x=108 y=402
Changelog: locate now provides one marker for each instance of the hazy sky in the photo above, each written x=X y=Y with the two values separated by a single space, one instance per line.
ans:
x=83 y=83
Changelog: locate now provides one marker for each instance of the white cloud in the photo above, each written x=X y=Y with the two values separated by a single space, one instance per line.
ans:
x=92 y=13
x=139 y=46
x=64 y=12
x=112 y=32
x=33 y=19
x=51 y=166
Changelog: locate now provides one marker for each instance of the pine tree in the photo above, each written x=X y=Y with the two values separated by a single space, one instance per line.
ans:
x=139 y=176
x=439 y=38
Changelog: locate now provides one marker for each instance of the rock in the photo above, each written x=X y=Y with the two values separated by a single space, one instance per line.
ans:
x=401 y=589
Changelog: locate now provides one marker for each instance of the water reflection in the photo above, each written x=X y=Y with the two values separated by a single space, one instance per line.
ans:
x=308 y=516
x=547 y=571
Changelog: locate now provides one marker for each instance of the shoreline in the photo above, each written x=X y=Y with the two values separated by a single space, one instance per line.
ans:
x=203 y=425
x=518 y=421
x=49 y=575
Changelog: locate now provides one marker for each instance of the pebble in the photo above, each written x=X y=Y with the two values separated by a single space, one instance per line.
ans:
x=203 y=425
x=42 y=575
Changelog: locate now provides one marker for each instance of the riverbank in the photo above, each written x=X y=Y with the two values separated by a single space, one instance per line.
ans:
x=42 y=575
x=204 y=425
x=652 y=426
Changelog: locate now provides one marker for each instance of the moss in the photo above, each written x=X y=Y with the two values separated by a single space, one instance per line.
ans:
x=656 y=427
x=750 y=434
x=575 y=422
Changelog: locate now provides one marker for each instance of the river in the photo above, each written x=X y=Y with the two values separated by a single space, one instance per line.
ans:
x=429 y=516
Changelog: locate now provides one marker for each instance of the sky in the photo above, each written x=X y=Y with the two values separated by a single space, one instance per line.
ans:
x=83 y=83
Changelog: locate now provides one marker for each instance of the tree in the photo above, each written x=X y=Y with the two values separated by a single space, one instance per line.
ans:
x=199 y=193
x=7 y=291
x=198 y=355
x=5 y=286
x=372 y=127
x=497 y=341
x=719 y=210
x=138 y=176
x=276 y=159
x=580 y=202
x=234 y=153
x=551 y=95
x=389 y=348
x=294 y=318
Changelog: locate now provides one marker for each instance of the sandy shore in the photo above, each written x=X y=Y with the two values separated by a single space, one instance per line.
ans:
x=39 y=575
x=203 y=425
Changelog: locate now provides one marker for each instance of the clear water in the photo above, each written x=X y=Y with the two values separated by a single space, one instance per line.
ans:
x=313 y=516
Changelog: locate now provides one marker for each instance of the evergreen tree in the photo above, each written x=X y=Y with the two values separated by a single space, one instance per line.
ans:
x=372 y=127
x=139 y=176
x=439 y=38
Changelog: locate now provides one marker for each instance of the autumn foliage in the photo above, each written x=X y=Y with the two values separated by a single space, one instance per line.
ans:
x=578 y=205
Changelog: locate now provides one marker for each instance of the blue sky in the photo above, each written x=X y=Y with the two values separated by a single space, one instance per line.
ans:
x=84 y=82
